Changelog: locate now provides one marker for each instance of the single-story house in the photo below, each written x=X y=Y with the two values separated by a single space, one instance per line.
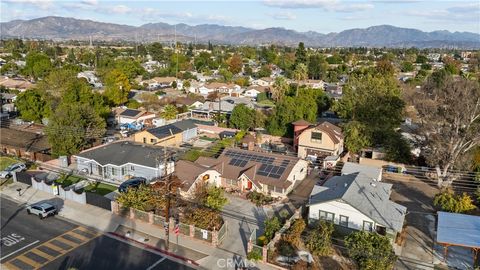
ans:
x=190 y=103
x=168 y=135
x=8 y=102
x=264 y=81
x=120 y=161
x=24 y=144
x=317 y=141
x=225 y=106
x=357 y=202
x=127 y=116
x=192 y=174
x=373 y=173
x=16 y=83
x=253 y=91
x=268 y=173
x=315 y=84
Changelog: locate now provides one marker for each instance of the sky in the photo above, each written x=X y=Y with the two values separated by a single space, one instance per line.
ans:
x=323 y=16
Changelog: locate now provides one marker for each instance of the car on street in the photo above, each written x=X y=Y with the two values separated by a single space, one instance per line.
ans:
x=42 y=210
x=8 y=172
x=132 y=183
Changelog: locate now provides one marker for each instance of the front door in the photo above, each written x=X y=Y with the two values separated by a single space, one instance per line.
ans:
x=249 y=185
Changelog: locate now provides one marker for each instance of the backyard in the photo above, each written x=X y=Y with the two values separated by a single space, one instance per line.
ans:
x=100 y=188
x=7 y=161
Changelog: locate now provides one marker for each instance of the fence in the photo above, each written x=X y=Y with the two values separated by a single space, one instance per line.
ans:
x=212 y=237
x=253 y=247
x=22 y=177
x=98 y=201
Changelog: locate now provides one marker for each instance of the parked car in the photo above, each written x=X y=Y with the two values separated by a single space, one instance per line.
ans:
x=8 y=172
x=132 y=183
x=42 y=210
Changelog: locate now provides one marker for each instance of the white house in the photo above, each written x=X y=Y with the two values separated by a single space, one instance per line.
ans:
x=127 y=116
x=264 y=81
x=252 y=92
x=357 y=202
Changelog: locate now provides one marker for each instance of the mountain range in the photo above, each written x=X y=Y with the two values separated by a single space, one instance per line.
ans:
x=62 y=28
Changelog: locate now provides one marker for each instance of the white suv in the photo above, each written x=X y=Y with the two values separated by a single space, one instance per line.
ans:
x=8 y=172
x=42 y=210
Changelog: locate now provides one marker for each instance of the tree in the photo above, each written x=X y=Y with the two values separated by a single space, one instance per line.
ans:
x=407 y=66
x=140 y=198
x=293 y=236
x=72 y=127
x=279 y=89
x=235 y=64
x=319 y=240
x=169 y=112
x=300 y=74
x=265 y=71
x=272 y=225
x=117 y=87
x=242 y=117
x=450 y=202
x=37 y=65
x=370 y=123
x=385 y=67
x=130 y=68
x=33 y=105
x=370 y=250
x=300 y=54
x=449 y=122
x=317 y=67
x=215 y=198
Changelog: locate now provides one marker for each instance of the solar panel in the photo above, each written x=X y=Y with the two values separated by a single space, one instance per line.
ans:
x=262 y=173
x=281 y=170
x=242 y=163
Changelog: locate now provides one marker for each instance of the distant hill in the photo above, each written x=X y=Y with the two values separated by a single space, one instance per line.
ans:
x=61 y=28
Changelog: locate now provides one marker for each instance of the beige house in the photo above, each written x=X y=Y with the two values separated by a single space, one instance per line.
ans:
x=314 y=141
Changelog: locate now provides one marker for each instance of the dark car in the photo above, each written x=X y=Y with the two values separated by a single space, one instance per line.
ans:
x=132 y=183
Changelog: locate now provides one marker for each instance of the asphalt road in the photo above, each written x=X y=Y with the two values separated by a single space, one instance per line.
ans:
x=53 y=243
x=105 y=252
x=21 y=231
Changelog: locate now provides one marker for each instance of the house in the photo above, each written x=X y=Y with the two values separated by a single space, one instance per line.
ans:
x=192 y=175
x=190 y=103
x=91 y=78
x=356 y=202
x=7 y=102
x=128 y=116
x=29 y=145
x=253 y=91
x=373 y=173
x=246 y=171
x=151 y=65
x=16 y=83
x=168 y=135
x=315 y=84
x=120 y=161
x=264 y=81
x=317 y=141
x=225 y=106
x=164 y=82
x=223 y=88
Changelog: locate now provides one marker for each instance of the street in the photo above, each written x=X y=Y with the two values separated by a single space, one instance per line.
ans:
x=53 y=243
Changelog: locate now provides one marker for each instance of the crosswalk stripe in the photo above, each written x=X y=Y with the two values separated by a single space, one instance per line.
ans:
x=43 y=254
x=29 y=261
x=80 y=236
x=52 y=246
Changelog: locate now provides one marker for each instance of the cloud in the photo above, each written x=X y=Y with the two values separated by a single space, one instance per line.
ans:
x=288 y=16
x=43 y=4
x=121 y=9
x=465 y=13
x=89 y=2
x=300 y=3
x=327 y=5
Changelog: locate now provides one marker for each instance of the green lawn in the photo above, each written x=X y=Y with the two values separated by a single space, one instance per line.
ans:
x=100 y=188
x=6 y=161
x=266 y=102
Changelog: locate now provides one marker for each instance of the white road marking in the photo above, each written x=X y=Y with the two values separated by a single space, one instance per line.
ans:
x=18 y=250
x=155 y=264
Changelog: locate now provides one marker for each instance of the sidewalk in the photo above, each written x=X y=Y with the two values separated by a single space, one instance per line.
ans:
x=105 y=221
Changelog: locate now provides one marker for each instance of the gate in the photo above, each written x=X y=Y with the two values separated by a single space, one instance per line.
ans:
x=23 y=177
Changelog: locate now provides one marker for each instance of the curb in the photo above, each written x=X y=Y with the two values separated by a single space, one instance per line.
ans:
x=146 y=246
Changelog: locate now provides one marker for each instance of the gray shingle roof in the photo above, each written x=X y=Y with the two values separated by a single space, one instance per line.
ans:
x=185 y=124
x=369 y=171
x=121 y=153
x=372 y=198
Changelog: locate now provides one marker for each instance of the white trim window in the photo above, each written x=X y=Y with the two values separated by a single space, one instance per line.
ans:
x=343 y=221
x=367 y=226
x=326 y=216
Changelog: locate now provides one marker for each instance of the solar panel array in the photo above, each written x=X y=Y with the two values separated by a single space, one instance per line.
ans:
x=267 y=168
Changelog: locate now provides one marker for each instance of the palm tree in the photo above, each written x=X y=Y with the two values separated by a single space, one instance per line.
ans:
x=169 y=112
x=280 y=86
x=300 y=74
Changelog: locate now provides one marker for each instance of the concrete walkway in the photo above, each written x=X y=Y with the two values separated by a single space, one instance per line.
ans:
x=105 y=221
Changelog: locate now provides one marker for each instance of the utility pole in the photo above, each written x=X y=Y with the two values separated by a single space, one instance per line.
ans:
x=168 y=183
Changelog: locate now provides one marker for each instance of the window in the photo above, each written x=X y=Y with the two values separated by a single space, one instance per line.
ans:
x=113 y=171
x=153 y=140
x=144 y=140
x=316 y=137
x=326 y=216
x=343 y=221
x=124 y=170
x=132 y=168
x=367 y=226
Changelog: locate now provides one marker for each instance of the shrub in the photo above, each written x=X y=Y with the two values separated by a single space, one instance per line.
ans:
x=202 y=217
x=319 y=240
x=262 y=240
x=370 y=250
x=259 y=198
x=215 y=198
x=286 y=249
x=451 y=202
x=293 y=235
x=254 y=255
x=271 y=226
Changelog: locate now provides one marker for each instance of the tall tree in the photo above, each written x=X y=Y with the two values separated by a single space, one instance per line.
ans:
x=371 y=251
x=169 y=112
x=279 y=89
x=300 y=74
x=33 y=105
x=72 y=127
x=117 y=87
x=37 y=65
x=300 y=54
x=235 y=64
x=449 y=114
x=242 y=117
